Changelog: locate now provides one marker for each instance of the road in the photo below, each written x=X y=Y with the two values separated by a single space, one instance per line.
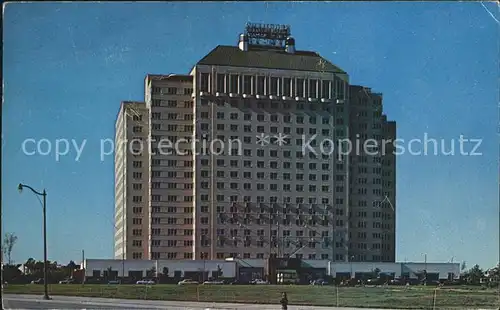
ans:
x=11 y=301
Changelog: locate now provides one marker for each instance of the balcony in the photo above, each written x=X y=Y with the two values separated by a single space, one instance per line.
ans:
x=233 y=95
x=220 y=94
x=310 y=99
x=299 y=98
x=326 y=100
x=261 y=96
x=247 y=96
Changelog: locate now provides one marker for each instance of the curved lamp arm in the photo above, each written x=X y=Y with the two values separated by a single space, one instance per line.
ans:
x=21 y=186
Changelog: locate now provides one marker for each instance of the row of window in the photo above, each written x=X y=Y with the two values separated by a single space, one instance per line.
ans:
x=173 y=255
x=168 y=232
x=260 y=129
x=260 y=164
x=363 y=235
x=273 y=85
x=172 y=91
x=172 y=116
x=168 y=220
x=286 y=118
x=273 y=187
x=330 y=108
x=274 y=165
x=219 y=255
x=166 y=243
x=272 y=200
x=338 y=257
x=171 y=103
x=382 y=215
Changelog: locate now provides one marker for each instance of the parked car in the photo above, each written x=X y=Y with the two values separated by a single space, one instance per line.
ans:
x=319 y=282
x=37 y=281
x=259 y=282
x=146 y=281
x=397 y=281
x=375 y=281
x=66 y=281
x=213 y=282
x=114 y=282
x=187 y=282
x=239 y=282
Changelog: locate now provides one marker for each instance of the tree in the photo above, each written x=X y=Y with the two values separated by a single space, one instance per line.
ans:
x=474 y=275
x=219 y=271
x=30 y=265
x=464 y=266
x=165 y=272
x=109 y=273
x=151 y=272
x=9 y=241
x=11 y=273
x=70 y=268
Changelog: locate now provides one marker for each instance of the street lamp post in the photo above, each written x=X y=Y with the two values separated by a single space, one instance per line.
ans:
x=350 y=260
x=44 y=195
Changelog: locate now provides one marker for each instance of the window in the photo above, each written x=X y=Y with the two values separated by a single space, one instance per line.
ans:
x=325 y=89
x=286 y=89
x=274 y=86
x=137 y=255
x=234 y=80
x=247 y=84
x=204 y=78
x=313 y=86
x=261 y=81
x=221 y=80
x=300 y=88
x=171 y=90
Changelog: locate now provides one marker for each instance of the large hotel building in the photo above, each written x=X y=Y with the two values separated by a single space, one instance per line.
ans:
x=234 y=160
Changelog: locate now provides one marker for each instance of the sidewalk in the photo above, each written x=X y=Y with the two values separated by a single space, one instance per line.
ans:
x=155 y=304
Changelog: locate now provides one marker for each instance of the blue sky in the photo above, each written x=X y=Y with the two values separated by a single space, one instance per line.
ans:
x=67 y=66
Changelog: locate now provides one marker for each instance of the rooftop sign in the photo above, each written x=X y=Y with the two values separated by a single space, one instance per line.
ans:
x=267 y=34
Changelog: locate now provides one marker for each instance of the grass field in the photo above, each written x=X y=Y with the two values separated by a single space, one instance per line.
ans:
x=375 y=297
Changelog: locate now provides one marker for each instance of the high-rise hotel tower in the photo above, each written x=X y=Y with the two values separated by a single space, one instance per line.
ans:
x=235 y=159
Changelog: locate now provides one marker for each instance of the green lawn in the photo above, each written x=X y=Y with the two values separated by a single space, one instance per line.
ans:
x=375 y=297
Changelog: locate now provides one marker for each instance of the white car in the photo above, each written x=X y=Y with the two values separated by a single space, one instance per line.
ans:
x=146 y=281
x=187 y=281
x=213 y=283
x=259 y=281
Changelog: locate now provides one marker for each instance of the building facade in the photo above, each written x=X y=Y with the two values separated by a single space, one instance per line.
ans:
x=242 y=161
x=235 y=268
